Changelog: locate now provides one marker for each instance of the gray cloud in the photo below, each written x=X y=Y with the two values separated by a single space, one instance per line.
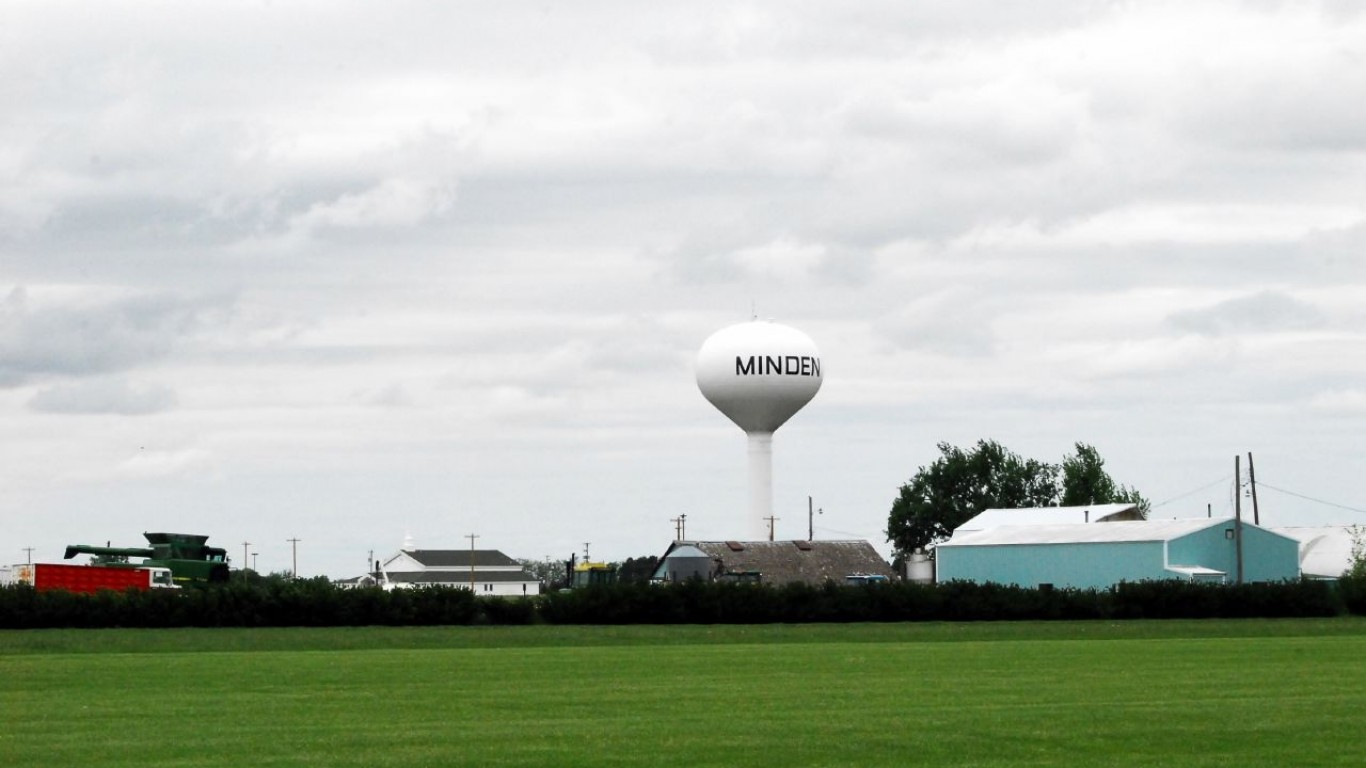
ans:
x=89 y=336
x=103 y=396
x=1265 y=312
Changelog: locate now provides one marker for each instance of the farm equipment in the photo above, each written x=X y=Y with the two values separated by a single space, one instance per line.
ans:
x=186 y=555
x=588 y=574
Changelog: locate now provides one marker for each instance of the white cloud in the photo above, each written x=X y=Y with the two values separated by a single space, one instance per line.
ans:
x=1346 y=403
x=391 y=203
x=163 y=463
x=782 y=259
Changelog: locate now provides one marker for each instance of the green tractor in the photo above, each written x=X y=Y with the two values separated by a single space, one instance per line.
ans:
x=186 y=554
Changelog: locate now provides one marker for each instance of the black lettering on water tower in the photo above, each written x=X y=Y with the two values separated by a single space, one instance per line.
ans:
x=786 y=365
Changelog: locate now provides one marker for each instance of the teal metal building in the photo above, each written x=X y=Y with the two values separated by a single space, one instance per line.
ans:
x=1100 y=555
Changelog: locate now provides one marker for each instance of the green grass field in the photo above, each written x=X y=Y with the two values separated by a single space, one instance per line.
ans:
x=1227 y=693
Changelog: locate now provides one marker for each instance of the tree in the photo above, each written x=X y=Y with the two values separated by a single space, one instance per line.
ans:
x=637 y=570
x=1356 y=557
x=1085 y=481
x=960 y=484
x=550 y=572
x=1352 y=584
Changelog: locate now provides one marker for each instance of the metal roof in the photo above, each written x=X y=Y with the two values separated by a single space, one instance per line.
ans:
x=1325 y=551
x=459 y=558
x=1195 y=570
x=1081 y=533
x=458 y=577
x=1095 y=513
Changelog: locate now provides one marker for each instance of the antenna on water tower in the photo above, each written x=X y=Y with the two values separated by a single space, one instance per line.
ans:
x=759 y=374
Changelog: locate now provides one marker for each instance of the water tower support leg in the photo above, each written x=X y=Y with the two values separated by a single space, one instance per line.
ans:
x=760 y=484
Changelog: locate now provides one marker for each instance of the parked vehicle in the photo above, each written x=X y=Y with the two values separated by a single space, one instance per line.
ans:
x=91 y=578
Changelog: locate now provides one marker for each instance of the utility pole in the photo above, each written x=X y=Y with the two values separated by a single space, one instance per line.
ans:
x=28 y=555
x=683 y=527
x=253 y=561
x=585 y=551
x=245 y=544
x=771 y=520
x=811 y=520
x=294 y=545
x=1238 y=514
x=678 y=527
x=1252 y=480
x=471 y=537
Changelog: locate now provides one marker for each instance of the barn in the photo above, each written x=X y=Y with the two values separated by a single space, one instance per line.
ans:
x=773 y=562
x=1085 y=555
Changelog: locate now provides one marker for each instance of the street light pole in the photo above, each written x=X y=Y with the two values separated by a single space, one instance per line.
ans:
x=245 y=544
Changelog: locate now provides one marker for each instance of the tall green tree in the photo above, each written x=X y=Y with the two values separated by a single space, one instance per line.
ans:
x=1085 y=481
x=960 y=484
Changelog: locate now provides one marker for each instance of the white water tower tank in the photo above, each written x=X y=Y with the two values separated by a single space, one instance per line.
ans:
x=759 y=374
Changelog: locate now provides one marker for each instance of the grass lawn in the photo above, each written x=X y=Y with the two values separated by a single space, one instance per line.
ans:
x=1275 y=693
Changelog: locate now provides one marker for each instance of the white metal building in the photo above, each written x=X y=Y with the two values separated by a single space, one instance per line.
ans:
x=1325 y=550
x=1095 y=513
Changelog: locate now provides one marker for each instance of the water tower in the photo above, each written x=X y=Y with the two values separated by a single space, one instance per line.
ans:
x=759 y=374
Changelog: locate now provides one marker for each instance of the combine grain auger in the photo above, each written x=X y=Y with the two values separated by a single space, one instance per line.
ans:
x=187 y=555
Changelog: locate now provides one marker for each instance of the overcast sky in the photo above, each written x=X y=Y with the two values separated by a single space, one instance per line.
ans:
x=350 y=272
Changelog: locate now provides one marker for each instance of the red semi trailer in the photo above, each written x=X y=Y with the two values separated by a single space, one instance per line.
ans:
x=92 y=578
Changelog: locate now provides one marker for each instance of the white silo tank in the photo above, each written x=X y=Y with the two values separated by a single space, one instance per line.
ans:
x=759 y=374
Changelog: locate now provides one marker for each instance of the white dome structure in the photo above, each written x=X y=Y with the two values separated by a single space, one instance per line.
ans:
x=759 y=374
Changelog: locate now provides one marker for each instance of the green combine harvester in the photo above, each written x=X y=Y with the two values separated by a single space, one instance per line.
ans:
x=185 y=554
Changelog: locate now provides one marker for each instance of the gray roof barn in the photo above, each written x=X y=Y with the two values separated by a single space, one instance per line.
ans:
x=775 y=562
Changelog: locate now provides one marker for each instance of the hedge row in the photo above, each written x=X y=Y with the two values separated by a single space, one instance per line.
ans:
x=317 y=603
x=701 y=603
x=308 y=603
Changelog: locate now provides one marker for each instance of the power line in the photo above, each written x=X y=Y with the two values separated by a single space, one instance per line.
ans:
x=1224 y=479
x=843 y=533
x=1264 y=484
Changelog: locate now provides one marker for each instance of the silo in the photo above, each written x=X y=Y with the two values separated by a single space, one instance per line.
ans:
x=687 y=562
x=759 y=374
